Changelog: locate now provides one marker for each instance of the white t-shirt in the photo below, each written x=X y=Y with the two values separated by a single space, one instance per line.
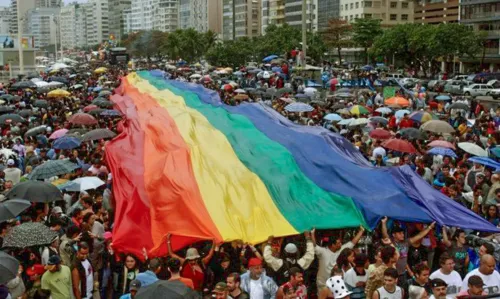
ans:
x=453 y=280
x=327 y=260
x=447 y=297
x=256 y=290
x=379 y=151
x=351 y=278
x=90 y=277
x=491 y=282
x=384 y=294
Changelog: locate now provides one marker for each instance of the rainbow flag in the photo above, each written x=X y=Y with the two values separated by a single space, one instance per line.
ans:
x=187 y=165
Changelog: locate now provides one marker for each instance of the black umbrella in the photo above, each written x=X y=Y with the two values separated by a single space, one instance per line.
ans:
x=41 y=104
x=58 y=79
x=36 y=131
x=25 y=112
x=29 y=234
x=412 y=133
x=459 y=106
x=167 y=289
x=96 y=112
x=12 y=117
x=6 y=109
x=338 y=106
x=12 y=208
x=35 y=191
x=52 y=168
x=7 y=97
x=23 y=85
x=98 y=134
x=78 y=130
x=8 y=267
x=101 y=102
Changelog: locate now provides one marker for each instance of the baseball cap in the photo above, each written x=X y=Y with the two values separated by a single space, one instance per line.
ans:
x=476 y=281
x=291 y=248
x=54 y=260
x=135 y=285
x=10 y=162
x=254 y=262
x=220 y=287
x=438 y=282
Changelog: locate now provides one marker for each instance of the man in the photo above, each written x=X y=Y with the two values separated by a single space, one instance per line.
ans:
x=290 y=258
x=389 y=290
x=82 y=273
x=135 y=285
x=486 y=248
x=327 y=257
x=448 y=275
x=174 y=267
x=457 y=250
x=378 y=150
x=475 y=284
x=420 y=279
x=12 y=173
x=151 y=275
x=66 y=249
x=439 y=288
x=256 y=283
x=295 y=284
x=220 y=291
x=233 y=284
x=488 y=274
x=21 y=150
x=57 y=279
x=389 y=257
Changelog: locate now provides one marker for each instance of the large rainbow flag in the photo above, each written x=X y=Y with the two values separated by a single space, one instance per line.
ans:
x=186 y=164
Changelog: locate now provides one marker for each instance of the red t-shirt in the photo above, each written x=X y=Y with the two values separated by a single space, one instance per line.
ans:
x=195 y=276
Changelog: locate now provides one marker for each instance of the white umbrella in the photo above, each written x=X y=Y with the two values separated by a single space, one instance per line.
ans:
x=239 y=90
x=358 y=122
x=59 y=65
x=310 y=90
x=34 y=80
x=85 y=183
x=54 y=84
x=346 y=121
x=195 y=76
x=41 y=84
x=384 y=110
x=473 y=149
x=266 y=75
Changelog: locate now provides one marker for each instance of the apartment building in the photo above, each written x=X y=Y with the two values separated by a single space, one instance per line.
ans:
x=160 y=15
x=43 y=24
x=4 y=20
x=436 y=11
x=201 y=15
x=241 y=18
x=327 y=10
x=390 y=12
x=97 y=21
x=73 y=26
x=117 y=18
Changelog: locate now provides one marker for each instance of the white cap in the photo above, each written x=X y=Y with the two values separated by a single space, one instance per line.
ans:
x=291 y=248
x=11 y=162
x=48 y=129
x=57 y=210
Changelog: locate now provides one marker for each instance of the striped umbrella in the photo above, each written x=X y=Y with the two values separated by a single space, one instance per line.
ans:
x=358 y=110
x=421 y=116
x=299 y=107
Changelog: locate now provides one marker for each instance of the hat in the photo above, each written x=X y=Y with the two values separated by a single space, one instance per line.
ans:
x=54 y=260
x=36 y=269
x=11 y=162
x=192 y=254
x=135 y=285
x=291 y=248
x=107 y=235
x=57 y=210
x=254 y=262
x=220 y=287
x=438 y=282
x=476 y=281
x=337 y=287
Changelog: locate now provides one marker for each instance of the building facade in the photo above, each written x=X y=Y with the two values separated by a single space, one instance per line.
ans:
x=327 y=10
x=43 y=24
x=4 y=20
x=482 y=16
x=293 y=14
x=117 y=18
x=436 y=11
x=24 y=6
x=48 y=3
x=241 y=18
x=390 y=12
x=73 y=27
x=96 y=21
x=160 y=15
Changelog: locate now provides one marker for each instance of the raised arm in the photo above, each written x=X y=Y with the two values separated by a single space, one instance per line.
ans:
x=171 y=253
x=358 y=236
x=210 y=254
x=422 y=234
x=385 y=234
x=446 y=241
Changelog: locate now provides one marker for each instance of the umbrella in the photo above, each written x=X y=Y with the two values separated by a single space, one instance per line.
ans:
x=441 y=143
x=41 y=104
x=412 y=133
x=66 y=142
x=52 y=168
x=195 y=76
x=84 y=183
x=284 y=90
x=167 y=289
x=89 y=108
x=58 y=79
x=299 y=107
x=23 y=85
x=6 y=109
x=379 y=120
x=384 y=110
x=399 y=145
x=286 y=100
x=7 y=97
x=35 y=191
x=239 y=90
x=345 y=122
x=12 y=208
x=29 y=234
x=358 y=122
x=343 y=111
x=420 y=116
x=77 y=86
x=58 y=93
x=100 y=70
x=9 y=267
x=459 y=106
x=310 y=90
x=35 y=131
x=473 y=149
x=241 y=97
x=338 y=106
x=486 y=162
x=358 y=109
x=302 y=96
x=269 y=58
x=110 y=112
x=12 y=117
x=437 y=126
x=82 y=119
x=401 y=113
x=400 y=101
x=25 y=112
x=443 y=151
x=333 y=117
x=442 y=98
x=58 y=134
x=104 y=93
x=380 y=134
x=103 y=103
x=98 y=134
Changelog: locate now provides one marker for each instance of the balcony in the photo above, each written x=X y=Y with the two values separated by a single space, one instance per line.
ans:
x=483 y=16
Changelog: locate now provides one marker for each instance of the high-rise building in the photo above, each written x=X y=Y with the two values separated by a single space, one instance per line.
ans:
x=482 y=16
x=117 y=17
x=4 y=20
x=73 y=26
x=24 y=6
x=327 y=10
x=241 y=18
x=97 y=21
x=160 y=15
x=293 y=14
x=43 y=25
x=436 y=11
x=202 y=15
x=48 y=3
x=390 y=12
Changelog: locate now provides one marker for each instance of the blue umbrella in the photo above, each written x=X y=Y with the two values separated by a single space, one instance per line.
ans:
x=384 y=110
x=486 y=162
x=311 y=83
x=238 y=73
x=401 y=113
x=299 y=107
x=269 y=58
x=333 y=117
x=443 y=98
x=97 y=89
x=277 y=69
x=66 y=142
x=367 y=68
x=110 y=112
x=443 y=151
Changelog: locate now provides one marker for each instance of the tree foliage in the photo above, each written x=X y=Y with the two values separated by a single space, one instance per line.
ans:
x=365 y=31
x=338 y=35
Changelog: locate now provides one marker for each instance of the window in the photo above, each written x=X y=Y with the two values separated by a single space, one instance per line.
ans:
x=346 y=7
x=357 y=4
x=356 y=16
x=368 y=15
x=350 y=17
x=404 y=17
x=393 y=17
x=394 y=4
x=368 y=4
x=404 y=5
x=352 y=5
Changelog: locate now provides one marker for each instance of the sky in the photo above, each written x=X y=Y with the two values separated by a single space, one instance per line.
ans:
x=7 y=2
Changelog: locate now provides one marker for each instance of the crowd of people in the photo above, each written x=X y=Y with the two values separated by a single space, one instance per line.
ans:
x=72 y=255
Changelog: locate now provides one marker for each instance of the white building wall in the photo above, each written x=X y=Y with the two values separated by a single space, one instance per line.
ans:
x=4 y=20
x=160 y=15
x=390 y=12
x=43 y=25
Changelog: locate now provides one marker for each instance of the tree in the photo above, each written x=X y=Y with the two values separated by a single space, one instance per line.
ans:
x=149 y=43
x=279 y=40
x=316 y=47
x=338 y=35
x=365 y=31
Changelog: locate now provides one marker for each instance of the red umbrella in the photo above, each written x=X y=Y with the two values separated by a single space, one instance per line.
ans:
x=89 y=108
x=380 y=134
x=442 y=143
x=82 y=119
x=399 y=145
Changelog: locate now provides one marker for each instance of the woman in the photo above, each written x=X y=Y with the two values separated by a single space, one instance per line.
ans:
x=345 y=260
x=193 y=266
x=123 y=274
x=492 y=215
